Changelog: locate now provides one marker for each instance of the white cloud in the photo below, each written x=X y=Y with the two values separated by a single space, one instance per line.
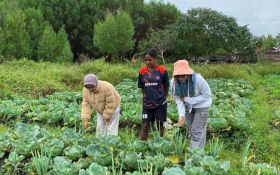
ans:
x=263 y=16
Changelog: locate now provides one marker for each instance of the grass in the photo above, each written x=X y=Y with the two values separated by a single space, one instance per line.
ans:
x=41 y=161
x=30 y=79
x=265 y=139
x=215 y=147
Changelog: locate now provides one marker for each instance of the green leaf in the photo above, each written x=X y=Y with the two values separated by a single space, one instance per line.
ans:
x=62 y=166
x=100 y=154
x=15 y=159
x=173 y=170
x=1 y=154
x=95 y=169
x=217 y=123
x=74 y=152
x=130 y=159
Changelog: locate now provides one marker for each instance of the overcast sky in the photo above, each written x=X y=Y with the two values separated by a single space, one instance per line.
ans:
x=263 y=16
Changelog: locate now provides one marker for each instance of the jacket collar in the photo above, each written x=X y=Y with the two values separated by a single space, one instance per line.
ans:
x=98 y=86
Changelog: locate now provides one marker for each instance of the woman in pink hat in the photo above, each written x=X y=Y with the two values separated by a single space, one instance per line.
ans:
x=193 y=98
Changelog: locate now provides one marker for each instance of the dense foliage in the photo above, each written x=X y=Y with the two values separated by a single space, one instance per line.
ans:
x=32 y=149
x=58 y=30
x=78 y=18
x=208 y=33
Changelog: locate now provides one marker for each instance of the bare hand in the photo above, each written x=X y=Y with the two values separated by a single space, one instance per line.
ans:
x=85 y=123
x=181 y=121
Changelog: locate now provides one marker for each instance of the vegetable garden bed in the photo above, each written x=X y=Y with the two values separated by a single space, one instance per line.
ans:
x=28 y=147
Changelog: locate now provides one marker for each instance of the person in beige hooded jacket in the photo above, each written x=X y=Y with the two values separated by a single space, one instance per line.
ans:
x=102 y=97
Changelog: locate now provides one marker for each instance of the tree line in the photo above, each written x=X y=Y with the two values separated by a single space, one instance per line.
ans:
x=71 y=30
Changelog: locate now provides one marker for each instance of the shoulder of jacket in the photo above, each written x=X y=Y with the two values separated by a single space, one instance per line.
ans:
x=143 y=70
x=200 y=79
x=198 y=76
x=106 y=85
x=161 y=69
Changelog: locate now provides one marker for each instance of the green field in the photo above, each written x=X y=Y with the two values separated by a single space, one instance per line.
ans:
x=41 y=129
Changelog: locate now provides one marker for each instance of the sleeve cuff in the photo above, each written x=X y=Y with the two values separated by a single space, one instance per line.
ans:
x=85 y=118
x=188 y=100
x=182 y=115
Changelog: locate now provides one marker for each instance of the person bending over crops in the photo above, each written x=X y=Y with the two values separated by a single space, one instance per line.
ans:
x=153 y=80
x=193 y=98
x=102 y=97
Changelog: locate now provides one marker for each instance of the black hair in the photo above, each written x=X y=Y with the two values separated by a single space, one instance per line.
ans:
x=152 y=52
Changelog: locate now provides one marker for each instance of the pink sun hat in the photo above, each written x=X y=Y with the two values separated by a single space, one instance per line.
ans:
x=181 y=67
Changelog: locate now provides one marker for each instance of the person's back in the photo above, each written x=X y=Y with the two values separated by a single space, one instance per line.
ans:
x=102 y=97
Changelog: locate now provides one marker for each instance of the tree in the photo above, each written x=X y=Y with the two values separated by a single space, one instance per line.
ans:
x=68 y=13
x=23 y=26
x=63 y=46
x=16 y=38
x=79 y=18
x=246 y=45
x=152 y=15
x=163 y=14
x=47 y=44
x=162 y=40
x=278 y=40
x=206 y=32
x=105 y=35
x=90 y=14
x=264 y=43
x=8 y=7
x=2 y=43
x=114 y=34
x=54 y=47
x=268 y=42
x=125 y=32
x=35 y=25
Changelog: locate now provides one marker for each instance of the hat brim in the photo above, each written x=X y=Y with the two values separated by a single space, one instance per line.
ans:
x=184 y=72
x=85 y=84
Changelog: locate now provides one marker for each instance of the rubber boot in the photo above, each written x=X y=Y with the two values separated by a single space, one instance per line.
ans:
x=145 y=130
